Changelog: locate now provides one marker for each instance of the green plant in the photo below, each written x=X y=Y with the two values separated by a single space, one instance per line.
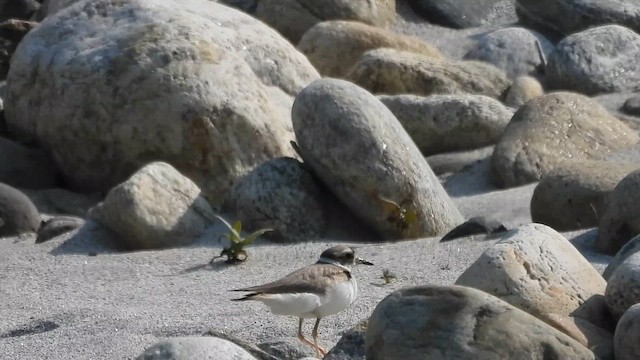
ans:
x=235 y=252
x=388 y=276
x=400 y=215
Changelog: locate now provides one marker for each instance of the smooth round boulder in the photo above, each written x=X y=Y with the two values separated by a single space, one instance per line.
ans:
x=333 y=47
x=392 y=72
x=621 y=220
x=513 y=268
x=595 y=61
x=192 y=347
x=522 y=90
x=623 y=287
x=281 y=195
x=574 y=195
x=157 y=207
x=627 y=334
x=18 y=215
x=456 y=322
x=552 y=129
x=458 y=14
x=171 y=84
x=362 y=153
x=630 y=248
x=292 y=18
x=512 y=50
x=570 y=16
x=445 y=123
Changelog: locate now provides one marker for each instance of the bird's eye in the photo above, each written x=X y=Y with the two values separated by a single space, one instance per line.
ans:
x=349 y=256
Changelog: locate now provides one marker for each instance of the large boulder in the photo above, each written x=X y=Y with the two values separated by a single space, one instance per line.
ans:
x=621 y=220
x=156 y=208
x=623 y=287
x=363 y=154
x=293 y=18
x=513 y=50
x=172 y=84
x=333 y=47
x=538 y=270
x=456 y=322
x=444 y=123
x=456 y=13
x=18 y=215
x=391 y=71
x=598 y=60
x=552 y=129
x=192 y=347
x=630 y=248
x=574 y=195
x=281 y=195
x=570 y=16
x=627 y=334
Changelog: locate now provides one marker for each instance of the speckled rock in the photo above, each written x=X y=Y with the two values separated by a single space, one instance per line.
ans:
x=393 y=72
x=513 y=50
x=574 y=195
x=287 y=349
x=597 y=60
x=156 y=208
x=455 y=322
x=192 y=96
x=281 y=195
x=293 y=18
x=455 y=13
x=554 y=128
x=630 y=248
x=18 y=215
x=57 y=226
x=522 y=90
x=444 y=123
x=333 y=47
x=538 y=270
x=627 y=335
x=351 y=345
x=621 y=219
x=335 y=121
x=623 y=287
x=570 y=16
x=189 y=348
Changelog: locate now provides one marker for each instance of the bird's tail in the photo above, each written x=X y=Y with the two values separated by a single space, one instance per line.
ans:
x=251 y=296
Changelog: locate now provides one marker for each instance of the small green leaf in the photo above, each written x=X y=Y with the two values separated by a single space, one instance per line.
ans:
x=237 y=226
x=231 y=229
x=251 y=238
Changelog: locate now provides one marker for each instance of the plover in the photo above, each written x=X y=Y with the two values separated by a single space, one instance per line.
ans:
x=313 y=292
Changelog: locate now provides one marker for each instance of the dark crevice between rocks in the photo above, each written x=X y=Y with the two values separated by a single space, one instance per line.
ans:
x=35 y=327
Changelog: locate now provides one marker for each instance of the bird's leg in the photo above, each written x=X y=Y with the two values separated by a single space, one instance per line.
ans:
x=300 y=336
x=320 y=351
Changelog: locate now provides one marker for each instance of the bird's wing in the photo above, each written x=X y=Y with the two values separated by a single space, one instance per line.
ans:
x=312 y=279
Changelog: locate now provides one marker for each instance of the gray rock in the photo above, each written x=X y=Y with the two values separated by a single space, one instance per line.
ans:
x=537 y=270
x=614 y=103
x=444 y=123
x=554 y=128
x=292 y=18
x=623 y=287
x=452 y=162
x=333 y=47
x=189 y=348
x=18 y=215
x=512 y=50
x=391 y=72
x=475 y=225
x=597 y=60
x=156 y=208
x=62 y=201
x=632 y=105
x=630 y=248
x=570 y=16
x=24 y=167
x=281 y=195
x=522 y=90
x=351 y=345
x=287 y=349
x=627 y=335
x=57 y=226
x=248 y=346
x=621 y=220
x=575 y=194
x=192 y=96
x=455 y=13
x=455 y=322
x=335 y=122
x=11 y=33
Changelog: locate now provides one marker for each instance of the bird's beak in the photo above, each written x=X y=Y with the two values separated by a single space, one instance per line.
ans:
x=363 y=261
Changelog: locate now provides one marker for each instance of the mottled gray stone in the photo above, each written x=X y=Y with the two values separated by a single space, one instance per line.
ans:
x=455 y=322
x=351 y=344
x=362 y=153
x=18 y=215
x=156 y=208
x=57 y=226
x=627 y=334
x=630 y=248
x=444 y=123
x=456 y=13
x=621 y=220
x=623 y=287
x=554 y=128
x=522 y=90
x=190 y=348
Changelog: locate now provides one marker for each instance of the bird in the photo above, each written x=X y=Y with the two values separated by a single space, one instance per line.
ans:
x=312 y=292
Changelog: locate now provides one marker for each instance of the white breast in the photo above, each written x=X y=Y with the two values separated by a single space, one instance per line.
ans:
x=339 y=297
